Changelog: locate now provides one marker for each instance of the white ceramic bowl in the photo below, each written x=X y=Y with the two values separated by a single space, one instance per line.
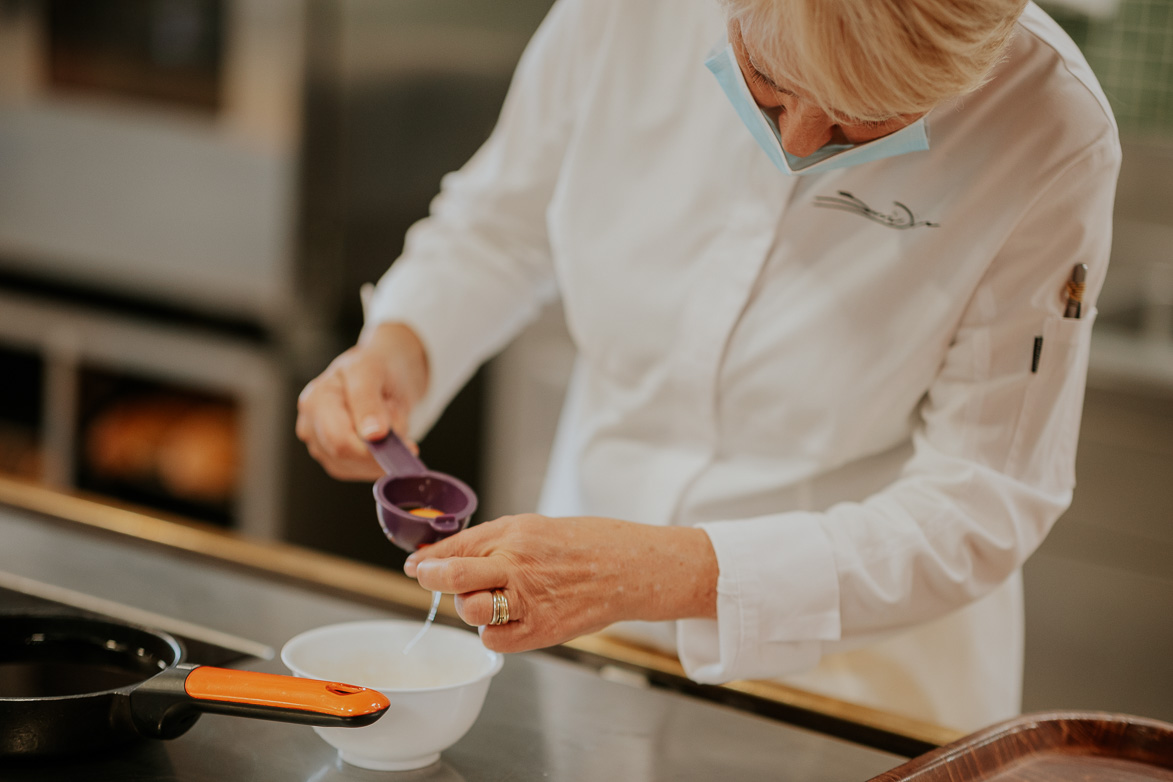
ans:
x=436 y=690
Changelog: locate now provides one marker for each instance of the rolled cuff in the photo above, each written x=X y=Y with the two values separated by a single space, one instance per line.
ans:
x=777 y=601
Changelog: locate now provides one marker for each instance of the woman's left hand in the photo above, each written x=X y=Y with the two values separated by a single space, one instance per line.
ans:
x=566 y=577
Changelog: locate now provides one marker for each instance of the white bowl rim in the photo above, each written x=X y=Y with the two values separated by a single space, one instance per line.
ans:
x=498 y=659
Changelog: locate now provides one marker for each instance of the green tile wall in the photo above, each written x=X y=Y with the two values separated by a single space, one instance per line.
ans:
x=1131 y=52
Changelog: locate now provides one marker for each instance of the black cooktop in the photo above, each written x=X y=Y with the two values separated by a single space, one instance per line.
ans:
x=195 y=650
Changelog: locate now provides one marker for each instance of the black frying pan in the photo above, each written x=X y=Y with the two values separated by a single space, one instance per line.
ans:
x=72 y=684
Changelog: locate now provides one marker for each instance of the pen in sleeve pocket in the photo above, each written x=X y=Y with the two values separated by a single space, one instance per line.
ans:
x=1075 y=291
x=1074 y=308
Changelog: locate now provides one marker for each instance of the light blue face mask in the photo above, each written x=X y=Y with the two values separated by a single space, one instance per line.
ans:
x=723 y=63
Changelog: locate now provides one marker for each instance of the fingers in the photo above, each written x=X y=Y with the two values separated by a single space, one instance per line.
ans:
x=476 y=541
x=476 y=608
x=461 y=575
x=324 y=425
x=365 y=392
x=512 y=637
x=549 y=575
x=465 y=565
x=332 y=407
x=368 y=401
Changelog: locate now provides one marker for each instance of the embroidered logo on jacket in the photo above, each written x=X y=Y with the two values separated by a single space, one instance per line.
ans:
x=900 y=217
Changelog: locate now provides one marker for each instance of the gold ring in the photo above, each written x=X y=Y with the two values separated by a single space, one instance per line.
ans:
x=500 y=608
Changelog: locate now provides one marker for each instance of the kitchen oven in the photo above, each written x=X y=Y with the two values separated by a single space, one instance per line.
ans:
x=149 y=154
x=191 y=194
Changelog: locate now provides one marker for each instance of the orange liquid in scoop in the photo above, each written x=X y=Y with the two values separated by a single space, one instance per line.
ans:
x=425 y=512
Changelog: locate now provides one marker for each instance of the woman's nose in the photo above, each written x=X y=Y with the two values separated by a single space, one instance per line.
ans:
x=804 y=131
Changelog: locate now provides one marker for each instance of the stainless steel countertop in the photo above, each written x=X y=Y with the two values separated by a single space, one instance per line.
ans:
x=544 y=719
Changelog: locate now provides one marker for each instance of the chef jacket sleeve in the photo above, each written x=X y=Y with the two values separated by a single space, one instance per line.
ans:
x=478 y=268
x=993 y=466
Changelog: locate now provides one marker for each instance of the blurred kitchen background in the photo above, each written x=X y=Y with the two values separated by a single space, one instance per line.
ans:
x=193 y=191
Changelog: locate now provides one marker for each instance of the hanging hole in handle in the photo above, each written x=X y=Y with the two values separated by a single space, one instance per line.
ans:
x=344 y=689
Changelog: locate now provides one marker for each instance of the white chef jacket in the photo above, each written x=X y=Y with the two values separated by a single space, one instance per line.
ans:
x=831 y=375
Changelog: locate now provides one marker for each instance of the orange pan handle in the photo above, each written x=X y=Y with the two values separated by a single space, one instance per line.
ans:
x=166 y=705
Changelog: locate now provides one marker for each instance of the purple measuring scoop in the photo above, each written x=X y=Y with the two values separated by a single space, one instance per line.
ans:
x=409 y=484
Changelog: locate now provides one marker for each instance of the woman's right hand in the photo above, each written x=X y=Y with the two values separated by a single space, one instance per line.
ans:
x=365 y=392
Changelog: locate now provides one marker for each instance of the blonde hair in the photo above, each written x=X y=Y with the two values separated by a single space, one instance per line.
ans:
x=871 y=60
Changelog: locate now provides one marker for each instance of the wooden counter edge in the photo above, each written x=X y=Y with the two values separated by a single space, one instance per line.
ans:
x=373 y=583
x=623 y=651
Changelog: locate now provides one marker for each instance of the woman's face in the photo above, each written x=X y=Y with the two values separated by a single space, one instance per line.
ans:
x=803 y=126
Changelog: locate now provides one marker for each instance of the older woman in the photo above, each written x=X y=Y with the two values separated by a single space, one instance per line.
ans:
x=818 y=422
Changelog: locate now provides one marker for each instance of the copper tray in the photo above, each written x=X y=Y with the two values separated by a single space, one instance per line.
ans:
x=1052 y=746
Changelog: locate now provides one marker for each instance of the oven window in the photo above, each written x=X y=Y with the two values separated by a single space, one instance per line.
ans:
x=161 y=51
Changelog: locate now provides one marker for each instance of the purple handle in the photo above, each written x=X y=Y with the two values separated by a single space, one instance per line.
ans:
x=394 y=457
